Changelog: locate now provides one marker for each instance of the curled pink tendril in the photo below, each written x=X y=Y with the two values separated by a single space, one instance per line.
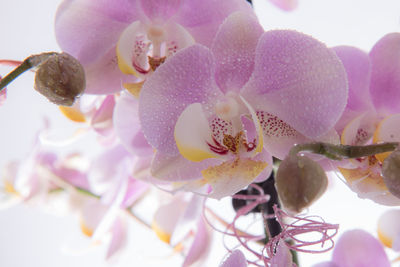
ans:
x=290 y=231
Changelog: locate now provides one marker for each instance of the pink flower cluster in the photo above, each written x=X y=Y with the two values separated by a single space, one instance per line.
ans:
x=195 y=98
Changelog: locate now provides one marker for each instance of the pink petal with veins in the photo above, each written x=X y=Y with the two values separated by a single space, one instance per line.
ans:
x=127 y=126
x=299 y=80
x=358 y=69
x=235 y=56
x=385 y=75
x=203 y=18
x=97 y=26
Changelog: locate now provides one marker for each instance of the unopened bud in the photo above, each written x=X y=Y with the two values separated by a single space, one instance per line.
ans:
x=299 y=182
x=61 y=78
x=391 y=173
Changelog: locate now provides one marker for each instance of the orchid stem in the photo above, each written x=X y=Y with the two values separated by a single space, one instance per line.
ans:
x=339 y=152
x=27 y=64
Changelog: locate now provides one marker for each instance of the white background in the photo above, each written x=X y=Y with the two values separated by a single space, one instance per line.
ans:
x=31 y=237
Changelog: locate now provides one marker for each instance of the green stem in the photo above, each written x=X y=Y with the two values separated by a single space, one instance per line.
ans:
x=338 y=152
x=27 y=64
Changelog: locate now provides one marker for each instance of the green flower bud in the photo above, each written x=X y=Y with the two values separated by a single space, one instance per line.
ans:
x=299 y=182
x=391 y=172
x=61 y=78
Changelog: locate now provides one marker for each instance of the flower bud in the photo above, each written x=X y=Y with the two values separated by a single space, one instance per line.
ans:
x=391 y=173
x=61 y=78
x=299 y=182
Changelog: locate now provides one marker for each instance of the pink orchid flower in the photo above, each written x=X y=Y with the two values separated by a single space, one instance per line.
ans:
x=110 y=178
x=372 y=113
x=357 y=248
x=42 y=172
x=210 y=113
x=115 y=40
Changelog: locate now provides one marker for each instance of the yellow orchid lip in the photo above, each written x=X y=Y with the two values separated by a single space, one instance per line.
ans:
x=9 y=188
x=160 y=233
x=72 y=113
x=386 y=240
x=86 y=230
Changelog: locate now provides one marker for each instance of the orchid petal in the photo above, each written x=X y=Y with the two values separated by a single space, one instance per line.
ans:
x=387 y=131
x=235 y=56
x=267 y=158
x=160 y=10
x=283 y=257
x=104 y=76
x=200 y=245
x=189 y=219
x=369 y=184
x=177 y=37
x=359 y=130
x=127 y=126
x=135 y=190
x=184 y=79
x=166 y=218
x=118 y=239
x=389 y=228
x=96 y=26
x=279 y=137
x=287 y=5
x=299 y=80
x=73 y=113
x=73 y=170
x=235 y=259
x=91 y=215
x=202 y=21
x=231 y=176
x=177 y=168
x=105 y=168
x=385 y=75
x=193 y=134
x=114 y=207
x=358 y=68
x=102 y=119
x=359 y=248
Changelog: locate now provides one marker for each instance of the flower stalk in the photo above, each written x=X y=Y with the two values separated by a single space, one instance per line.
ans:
x=27 y=64
x=339 y=152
